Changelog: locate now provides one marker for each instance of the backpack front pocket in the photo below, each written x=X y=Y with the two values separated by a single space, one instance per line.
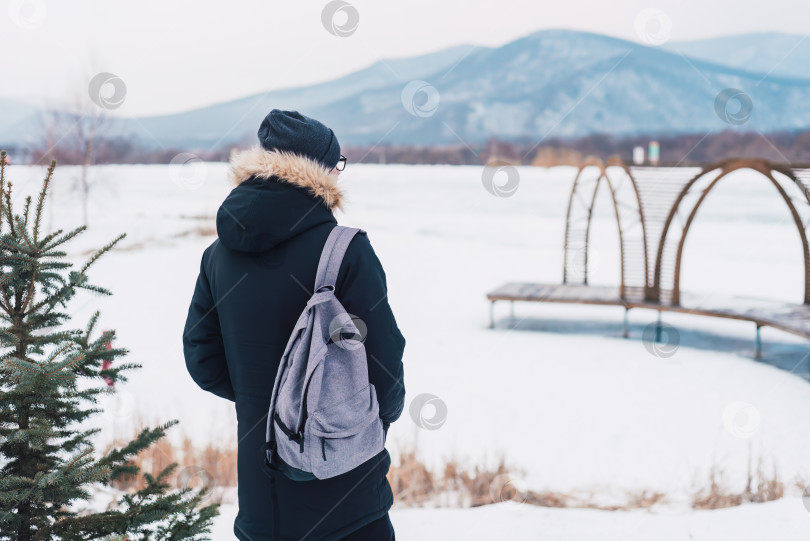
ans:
x=345 y=435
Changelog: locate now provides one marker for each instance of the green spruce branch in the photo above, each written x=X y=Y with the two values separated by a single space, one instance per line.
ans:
x=47 y=462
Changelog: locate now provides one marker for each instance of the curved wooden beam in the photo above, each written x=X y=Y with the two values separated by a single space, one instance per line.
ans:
x=596 y=162
x=763 y=167
x=591 y=161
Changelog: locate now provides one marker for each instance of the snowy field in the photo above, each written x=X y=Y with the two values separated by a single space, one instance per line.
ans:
x=560 y=394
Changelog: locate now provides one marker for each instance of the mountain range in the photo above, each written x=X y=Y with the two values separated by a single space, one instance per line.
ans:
x=551 y=83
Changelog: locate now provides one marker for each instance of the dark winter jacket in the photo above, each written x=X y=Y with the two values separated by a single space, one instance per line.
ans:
x=254 y=282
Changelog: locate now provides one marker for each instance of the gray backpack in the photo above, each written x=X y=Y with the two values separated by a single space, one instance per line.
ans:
x=324 y=415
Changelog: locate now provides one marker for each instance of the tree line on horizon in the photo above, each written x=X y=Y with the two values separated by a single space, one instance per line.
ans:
x=686 y=149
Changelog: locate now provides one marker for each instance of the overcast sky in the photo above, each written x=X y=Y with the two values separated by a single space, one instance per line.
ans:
x=175 y=55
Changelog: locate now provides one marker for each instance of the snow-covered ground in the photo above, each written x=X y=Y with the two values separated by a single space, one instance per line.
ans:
x=560 y=394
x=783 y=520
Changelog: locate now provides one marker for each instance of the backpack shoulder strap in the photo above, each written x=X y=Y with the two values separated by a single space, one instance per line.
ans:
x=332 y=255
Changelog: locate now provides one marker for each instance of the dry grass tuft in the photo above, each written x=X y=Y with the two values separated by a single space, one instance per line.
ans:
x=760 y=487
x=210 y=466
x=454 y=485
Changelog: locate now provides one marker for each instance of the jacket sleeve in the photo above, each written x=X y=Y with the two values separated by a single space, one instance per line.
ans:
x=202 y=342
x=362 y=289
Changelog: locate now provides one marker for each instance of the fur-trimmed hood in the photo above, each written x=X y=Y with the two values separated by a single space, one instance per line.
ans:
x=277 y=195
x=287 y=167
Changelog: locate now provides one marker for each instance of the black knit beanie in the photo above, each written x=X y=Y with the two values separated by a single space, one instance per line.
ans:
x=294 y=132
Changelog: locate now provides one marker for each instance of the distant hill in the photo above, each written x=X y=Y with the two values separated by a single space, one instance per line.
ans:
x=774 y=53
x=560 y=83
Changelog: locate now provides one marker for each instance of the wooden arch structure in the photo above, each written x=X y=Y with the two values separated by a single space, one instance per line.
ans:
x=626 y=201
x=655 y=206
x=788 y=183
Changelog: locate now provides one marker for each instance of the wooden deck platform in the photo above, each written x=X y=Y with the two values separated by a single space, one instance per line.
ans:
x=792 y=318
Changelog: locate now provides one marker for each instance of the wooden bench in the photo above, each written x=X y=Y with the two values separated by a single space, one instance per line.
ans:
x=792 y=318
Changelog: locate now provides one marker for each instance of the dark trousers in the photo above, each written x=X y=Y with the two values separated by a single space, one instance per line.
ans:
x=378 y=530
